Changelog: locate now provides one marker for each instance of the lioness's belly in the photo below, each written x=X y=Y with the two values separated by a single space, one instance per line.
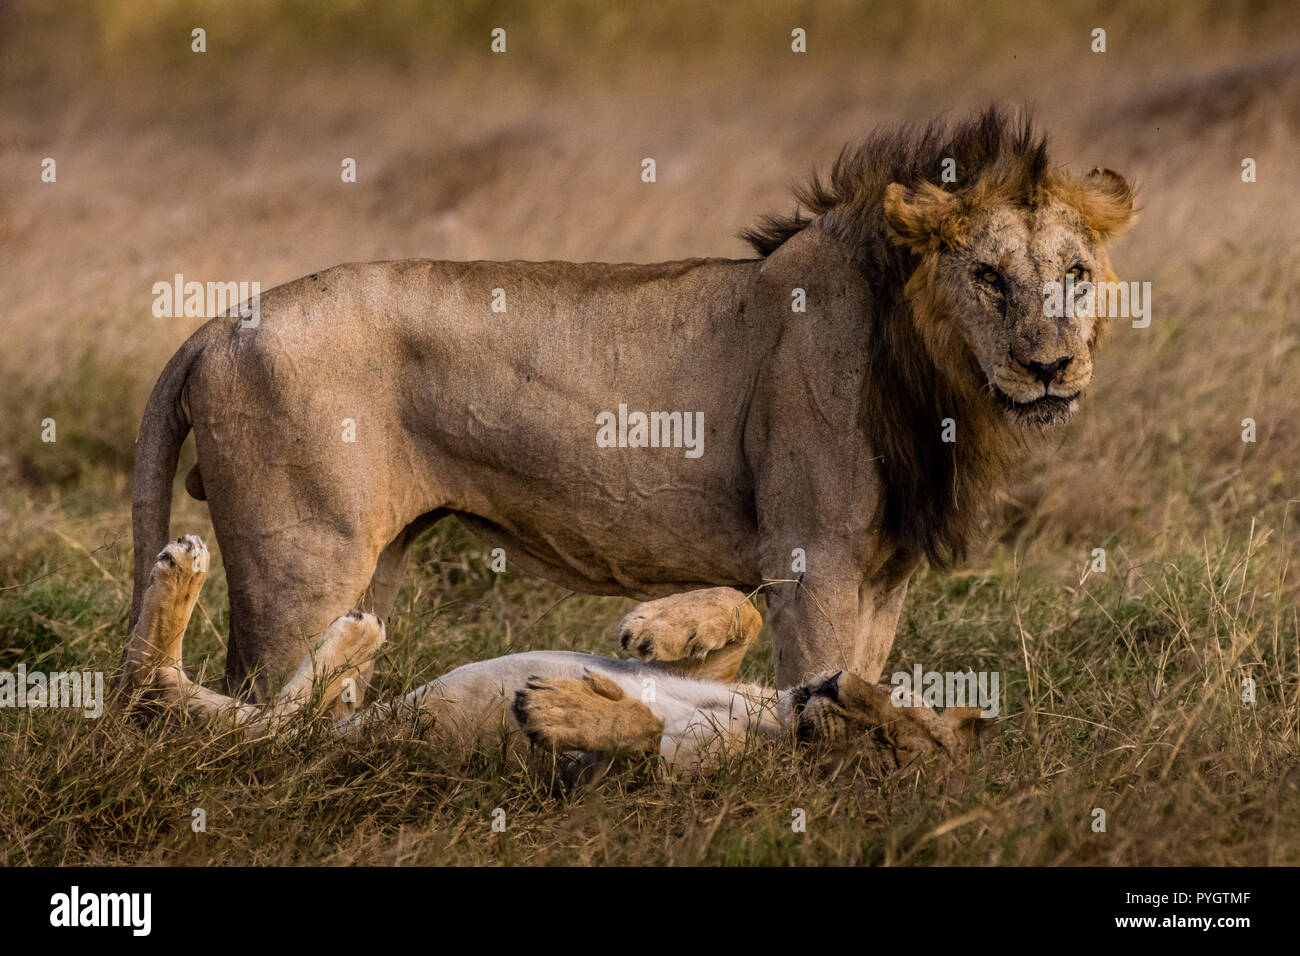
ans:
x=472 y=705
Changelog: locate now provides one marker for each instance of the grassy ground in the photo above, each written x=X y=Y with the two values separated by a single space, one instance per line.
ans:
x=1122 y=689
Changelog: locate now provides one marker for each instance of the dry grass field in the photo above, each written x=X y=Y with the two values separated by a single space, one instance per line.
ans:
x=1122 y=689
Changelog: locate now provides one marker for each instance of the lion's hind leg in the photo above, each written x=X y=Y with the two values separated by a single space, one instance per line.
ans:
x=590 y=714
x=703 y=634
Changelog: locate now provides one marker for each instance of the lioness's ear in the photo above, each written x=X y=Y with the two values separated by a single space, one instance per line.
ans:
x=1106 y=200
x=915 y=216
x=968 y=723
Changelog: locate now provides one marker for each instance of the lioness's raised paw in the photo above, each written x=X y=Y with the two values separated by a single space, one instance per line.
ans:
x=174 y=583
x=337 y=670
x=704 y=633
x=181 y=562
x=591 y=714
x=351 y=639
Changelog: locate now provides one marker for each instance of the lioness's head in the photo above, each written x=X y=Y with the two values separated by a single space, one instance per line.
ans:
x=988 y=256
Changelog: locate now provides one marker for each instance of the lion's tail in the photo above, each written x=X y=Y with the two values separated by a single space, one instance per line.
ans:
x=163 y=428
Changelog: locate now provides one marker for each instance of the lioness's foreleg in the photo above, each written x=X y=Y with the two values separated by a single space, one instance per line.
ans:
x=591 y=714
x=703 y=633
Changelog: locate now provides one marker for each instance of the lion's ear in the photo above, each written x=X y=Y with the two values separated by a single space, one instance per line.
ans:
x=915 y=216
x=1106 y=200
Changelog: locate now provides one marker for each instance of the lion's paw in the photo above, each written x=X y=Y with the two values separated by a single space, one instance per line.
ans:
x=689 y=625
x=339 y=666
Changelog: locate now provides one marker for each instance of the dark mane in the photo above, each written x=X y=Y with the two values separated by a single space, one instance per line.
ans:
x=935 y=493
x=910 y=155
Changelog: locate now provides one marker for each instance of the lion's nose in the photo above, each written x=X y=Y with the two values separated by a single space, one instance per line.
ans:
x=1045 y=372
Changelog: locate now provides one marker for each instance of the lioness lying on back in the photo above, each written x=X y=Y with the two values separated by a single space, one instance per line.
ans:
x=678 y=700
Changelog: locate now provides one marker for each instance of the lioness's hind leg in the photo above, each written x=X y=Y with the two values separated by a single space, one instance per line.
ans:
x=174 y=584
x=151 y=662
x=703 y=633
x=337 y=670
x=591 y=714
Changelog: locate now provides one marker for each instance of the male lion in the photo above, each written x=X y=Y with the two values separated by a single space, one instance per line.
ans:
x=824 y=433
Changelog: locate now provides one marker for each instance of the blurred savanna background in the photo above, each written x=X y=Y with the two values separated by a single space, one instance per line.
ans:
x=1123 y=688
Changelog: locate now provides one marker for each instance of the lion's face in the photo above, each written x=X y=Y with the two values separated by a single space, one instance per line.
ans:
x=989 y=263
x=1035 y=361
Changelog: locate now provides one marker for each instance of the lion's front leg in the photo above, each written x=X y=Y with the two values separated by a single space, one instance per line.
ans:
x=880 y=604
x=834 y=620
x=815 y=626
x=703 y=633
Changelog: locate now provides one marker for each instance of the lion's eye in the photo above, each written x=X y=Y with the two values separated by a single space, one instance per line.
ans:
x=1078 y=273
x=989 y=276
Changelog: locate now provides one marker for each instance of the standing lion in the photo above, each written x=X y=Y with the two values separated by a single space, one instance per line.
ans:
x=825 y=434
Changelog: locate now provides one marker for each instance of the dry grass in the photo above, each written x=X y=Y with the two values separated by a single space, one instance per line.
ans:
x=1122 y=689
